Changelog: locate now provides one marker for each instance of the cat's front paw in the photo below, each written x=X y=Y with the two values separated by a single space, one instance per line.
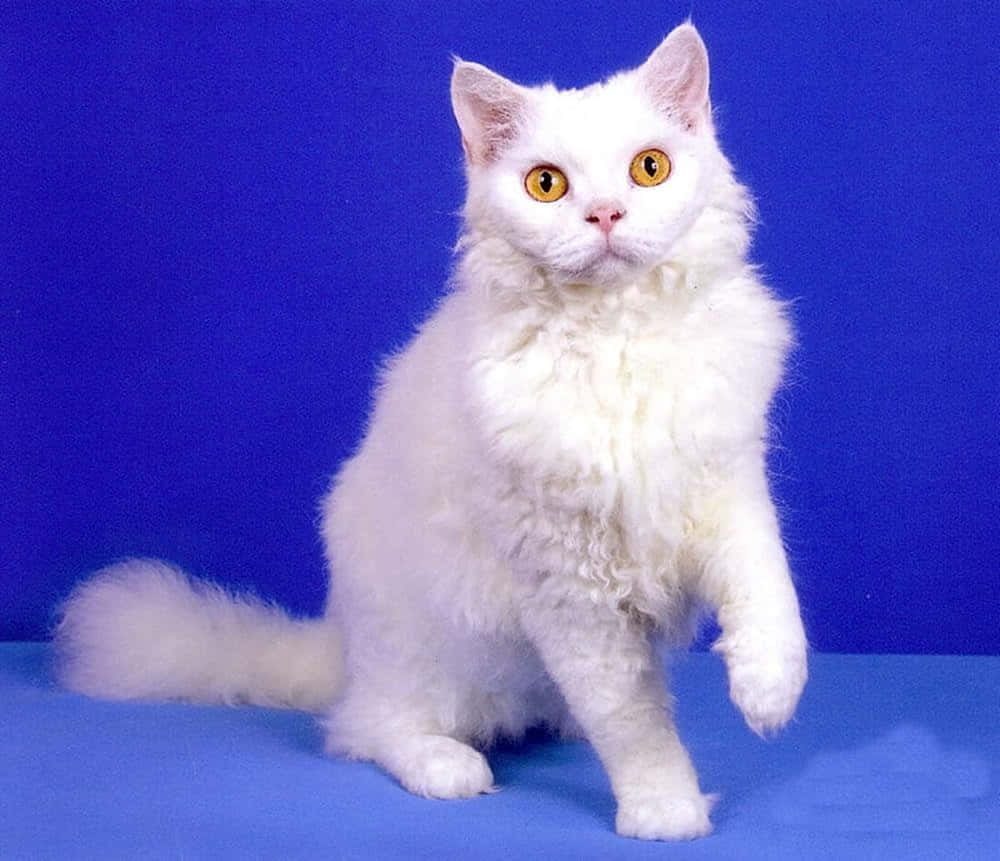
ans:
x=766 y=678
x=664 y=817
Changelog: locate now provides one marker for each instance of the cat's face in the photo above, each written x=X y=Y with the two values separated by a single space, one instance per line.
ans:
x=595 y=185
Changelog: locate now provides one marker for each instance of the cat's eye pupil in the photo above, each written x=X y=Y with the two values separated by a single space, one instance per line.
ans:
x=545 y=181
x=650 y=166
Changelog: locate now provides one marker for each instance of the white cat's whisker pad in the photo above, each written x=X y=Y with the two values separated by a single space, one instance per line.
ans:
x=563 y=469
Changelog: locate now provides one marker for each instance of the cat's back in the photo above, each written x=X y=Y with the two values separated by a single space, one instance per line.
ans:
x=414 y=426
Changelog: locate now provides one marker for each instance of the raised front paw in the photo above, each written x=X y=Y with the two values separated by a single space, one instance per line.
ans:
x=664 y=817
x=766 y=678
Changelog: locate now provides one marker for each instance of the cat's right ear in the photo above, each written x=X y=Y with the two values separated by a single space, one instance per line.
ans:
x=489 y=110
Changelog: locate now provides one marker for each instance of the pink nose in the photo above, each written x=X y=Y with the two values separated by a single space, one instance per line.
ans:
x=604 y=215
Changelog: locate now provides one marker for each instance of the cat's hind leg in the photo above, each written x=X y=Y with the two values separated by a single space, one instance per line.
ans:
x=409 y=741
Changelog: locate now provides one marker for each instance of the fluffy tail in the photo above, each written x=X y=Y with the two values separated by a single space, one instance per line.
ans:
x=142 y=629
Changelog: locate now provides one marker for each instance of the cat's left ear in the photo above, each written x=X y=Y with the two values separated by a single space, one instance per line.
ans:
x=489 y=109
x=676 y=77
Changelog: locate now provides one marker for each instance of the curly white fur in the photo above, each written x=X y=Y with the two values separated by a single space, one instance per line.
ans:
x=563 y=466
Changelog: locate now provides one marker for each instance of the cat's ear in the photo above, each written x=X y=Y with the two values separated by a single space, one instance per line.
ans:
x=676 y=77
x=489 y=110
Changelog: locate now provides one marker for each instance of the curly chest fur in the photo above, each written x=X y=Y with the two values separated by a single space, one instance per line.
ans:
x=602 y=428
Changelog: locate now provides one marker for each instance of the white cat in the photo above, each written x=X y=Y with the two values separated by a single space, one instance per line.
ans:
x=561 y=470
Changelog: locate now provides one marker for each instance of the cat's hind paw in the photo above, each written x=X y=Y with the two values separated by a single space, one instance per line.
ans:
x=665 y=817
x=442 y=767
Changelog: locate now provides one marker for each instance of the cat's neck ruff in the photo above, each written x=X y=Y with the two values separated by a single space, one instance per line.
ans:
x=507 y=281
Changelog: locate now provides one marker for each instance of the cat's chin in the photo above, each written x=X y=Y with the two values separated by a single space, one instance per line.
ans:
x=608 y=268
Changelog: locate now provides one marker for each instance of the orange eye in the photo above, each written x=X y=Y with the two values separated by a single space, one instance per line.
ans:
x=650 y=167
x=546 y=183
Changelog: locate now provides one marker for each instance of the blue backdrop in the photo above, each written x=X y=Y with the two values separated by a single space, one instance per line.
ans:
x=215 y=217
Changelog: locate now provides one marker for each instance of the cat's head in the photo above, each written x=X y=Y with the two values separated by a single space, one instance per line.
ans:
x=594 y=185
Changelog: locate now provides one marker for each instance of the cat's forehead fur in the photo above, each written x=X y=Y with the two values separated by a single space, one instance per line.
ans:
x=605 y=119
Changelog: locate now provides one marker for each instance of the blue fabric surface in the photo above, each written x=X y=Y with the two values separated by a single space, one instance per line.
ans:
x=891 y=757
